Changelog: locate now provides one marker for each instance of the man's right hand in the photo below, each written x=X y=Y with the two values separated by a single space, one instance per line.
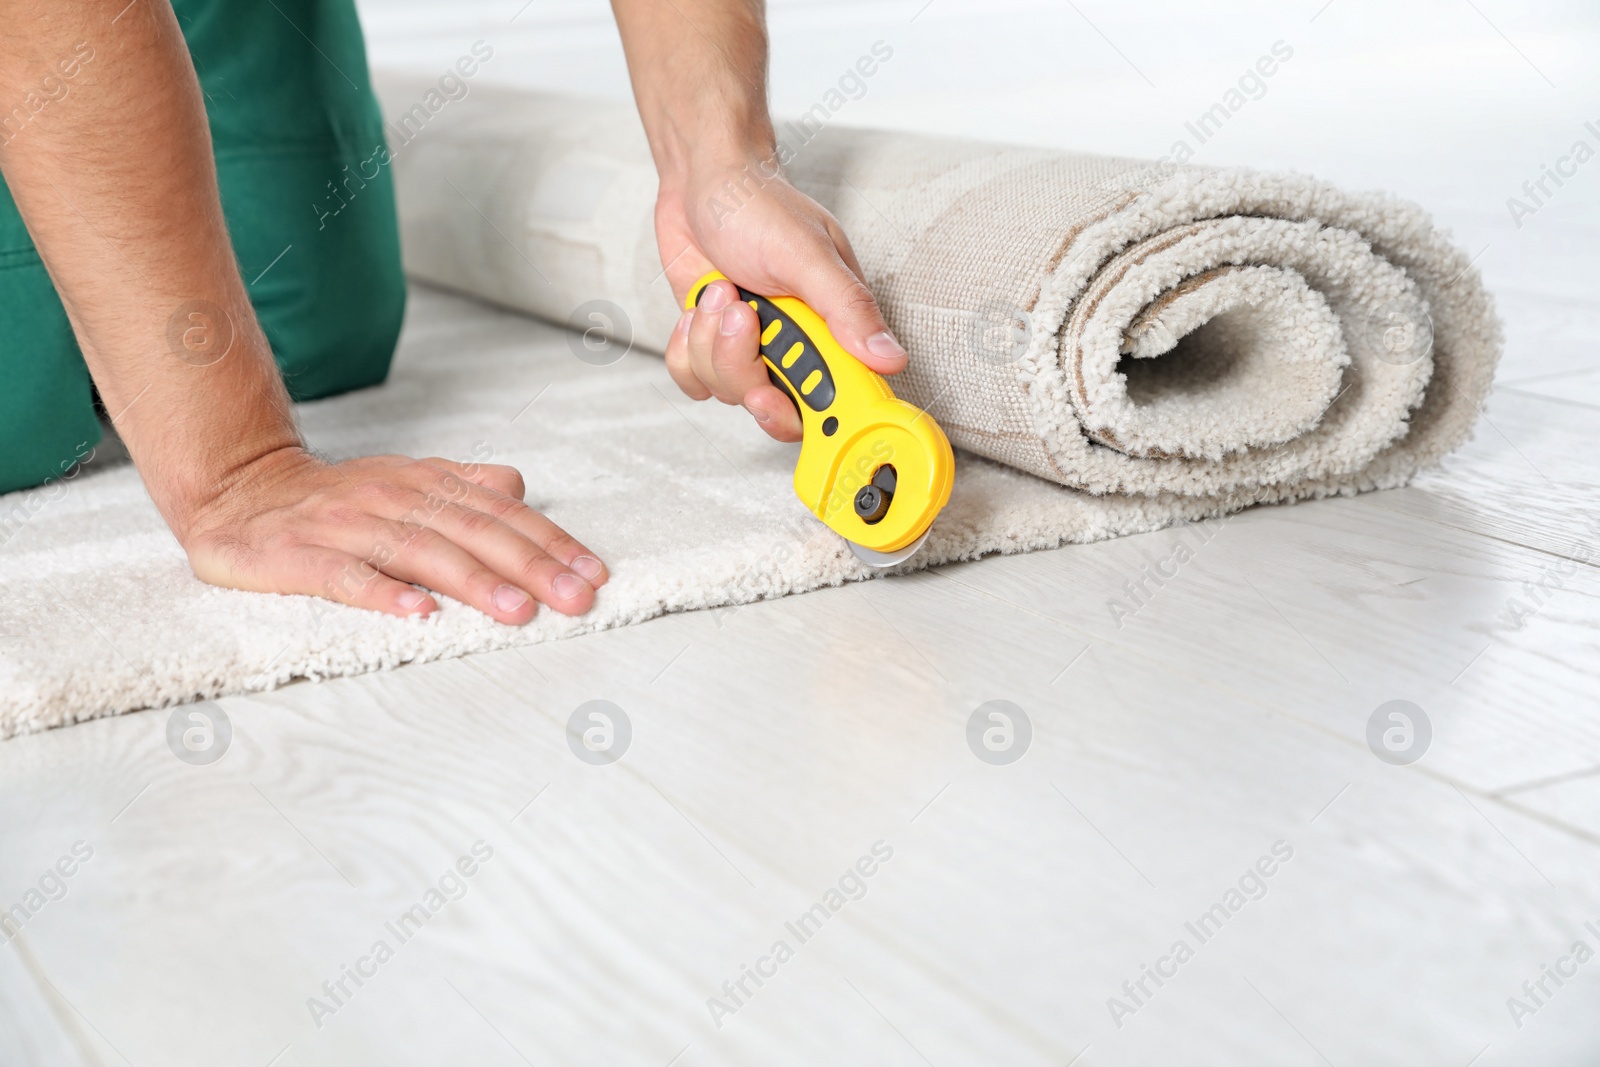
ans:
x=360 y=531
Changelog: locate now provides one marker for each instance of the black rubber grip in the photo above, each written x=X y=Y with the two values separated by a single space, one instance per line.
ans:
x=805 y=362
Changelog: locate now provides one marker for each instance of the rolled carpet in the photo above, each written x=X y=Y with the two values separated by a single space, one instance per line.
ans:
x=1114 y=326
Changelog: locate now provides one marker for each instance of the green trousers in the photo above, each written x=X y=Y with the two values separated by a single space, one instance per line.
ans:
x=293 y=118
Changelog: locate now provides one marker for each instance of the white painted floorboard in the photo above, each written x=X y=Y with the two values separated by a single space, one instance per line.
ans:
x=774 y=745
x=769 y=753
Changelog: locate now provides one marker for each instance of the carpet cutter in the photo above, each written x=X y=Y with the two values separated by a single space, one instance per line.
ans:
x=875 y=469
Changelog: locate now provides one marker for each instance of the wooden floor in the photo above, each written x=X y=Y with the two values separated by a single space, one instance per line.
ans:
x=1213 y=730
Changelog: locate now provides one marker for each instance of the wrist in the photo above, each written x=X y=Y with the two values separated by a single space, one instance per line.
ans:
x=238 y=415
x=723 y=177
x=692 y=154
x=196 y=503
x=191 y=494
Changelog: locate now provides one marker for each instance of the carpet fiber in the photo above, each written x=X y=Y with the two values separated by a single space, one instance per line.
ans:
x=1129 y=346
x=1107 y=324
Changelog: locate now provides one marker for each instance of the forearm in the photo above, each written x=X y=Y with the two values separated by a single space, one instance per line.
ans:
x=118 y=188
x=699 y=71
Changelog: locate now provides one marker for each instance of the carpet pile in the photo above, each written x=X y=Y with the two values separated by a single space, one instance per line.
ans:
x=1113 y=346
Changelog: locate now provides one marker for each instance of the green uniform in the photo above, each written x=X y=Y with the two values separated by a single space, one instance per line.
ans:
x=293 y=119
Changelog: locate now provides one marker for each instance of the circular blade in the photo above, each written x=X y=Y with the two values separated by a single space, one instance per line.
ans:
x=887 y=559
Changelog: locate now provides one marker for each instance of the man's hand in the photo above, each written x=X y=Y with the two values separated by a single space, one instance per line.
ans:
x=699 y=74
x=119 y=191
x=359 y=531
x=778 y=243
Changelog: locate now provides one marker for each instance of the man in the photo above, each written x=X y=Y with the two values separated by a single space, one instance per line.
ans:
x=156 y=145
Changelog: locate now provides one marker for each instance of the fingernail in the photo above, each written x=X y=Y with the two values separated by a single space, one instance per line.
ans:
x=588 y=567
x=762 y=416
x=509 y=598
x=714 y=297
x=684 y=320
x=411 y=601
x=567 y=586
x=883 y=345
x=731 y=320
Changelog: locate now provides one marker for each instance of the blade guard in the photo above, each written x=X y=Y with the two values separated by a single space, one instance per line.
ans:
x=853 y=427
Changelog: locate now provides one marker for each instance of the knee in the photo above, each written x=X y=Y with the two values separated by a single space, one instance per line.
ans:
x=338 y=329
x=350 y=342
x=47 y=418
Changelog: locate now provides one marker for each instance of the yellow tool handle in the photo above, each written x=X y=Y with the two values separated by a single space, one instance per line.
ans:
x=855 y=433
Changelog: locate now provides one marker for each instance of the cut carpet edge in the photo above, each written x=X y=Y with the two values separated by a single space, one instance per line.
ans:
x=1036 y=518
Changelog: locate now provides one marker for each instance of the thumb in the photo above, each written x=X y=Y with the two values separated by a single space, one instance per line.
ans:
x=837 y=293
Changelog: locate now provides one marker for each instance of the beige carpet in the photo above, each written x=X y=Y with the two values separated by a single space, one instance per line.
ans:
x=1275 y=335
x=1108 y=324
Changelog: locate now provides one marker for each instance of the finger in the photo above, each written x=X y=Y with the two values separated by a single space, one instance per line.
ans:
x=717 y=298
x=511 y=554
x=678 y=360
x=546 y=535
x=687 y=265
x=842 y=246
x=347 y=579
x=496 y=476
x=408 y=548
x=432 y=559
x=736 y=351
x=837 y=293
x=437 y=488
x=774 y=413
